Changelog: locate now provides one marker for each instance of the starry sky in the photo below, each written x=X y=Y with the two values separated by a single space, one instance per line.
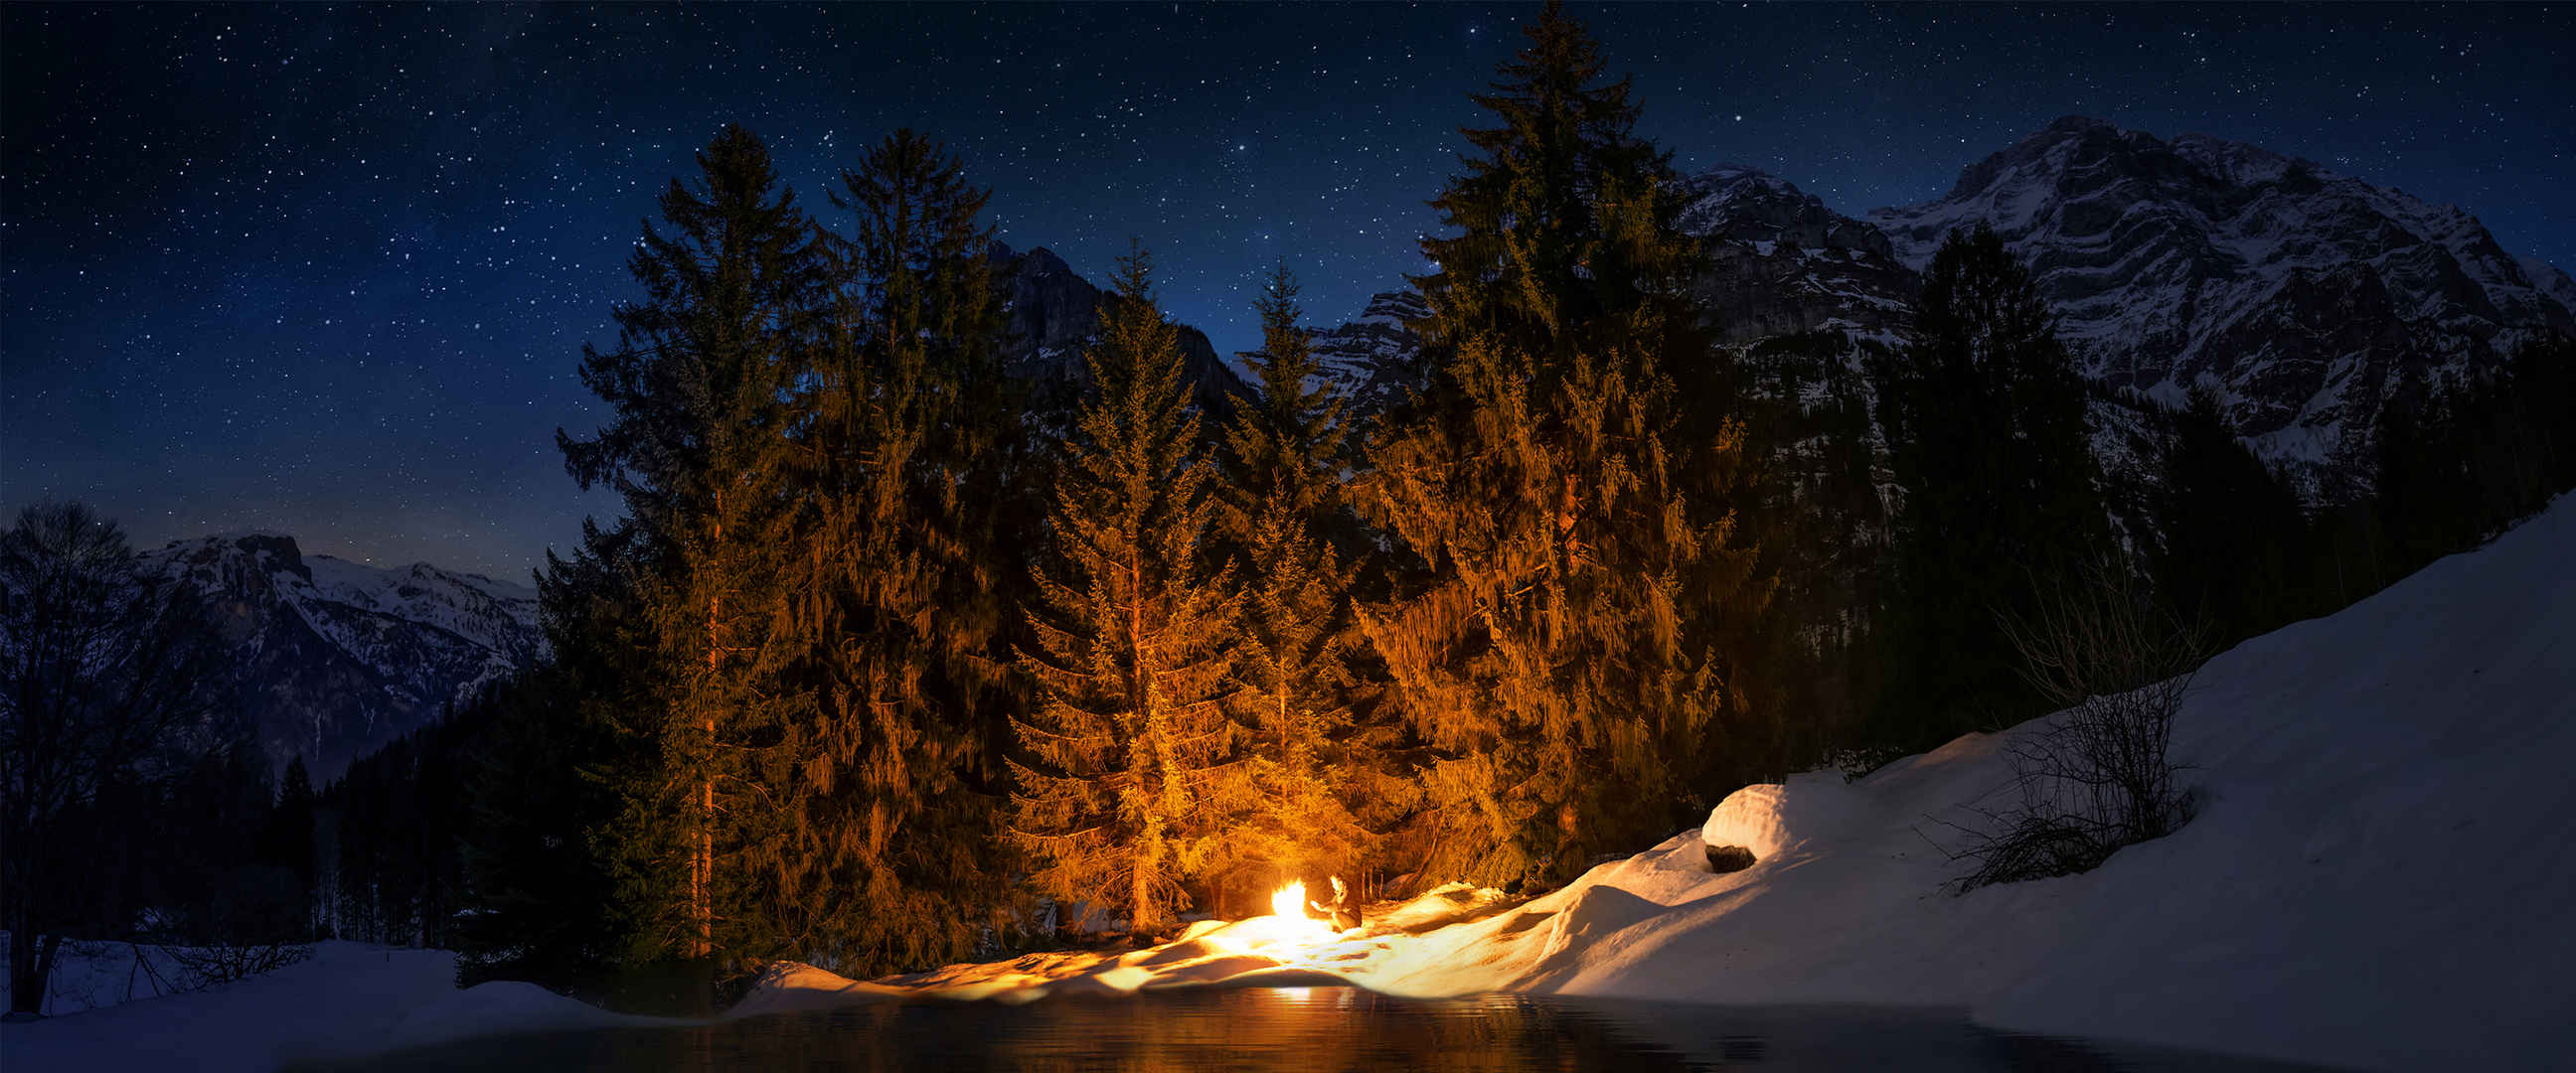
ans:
x=327 y=270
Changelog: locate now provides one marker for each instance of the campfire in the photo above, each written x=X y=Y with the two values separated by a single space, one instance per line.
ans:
x=1289 y=902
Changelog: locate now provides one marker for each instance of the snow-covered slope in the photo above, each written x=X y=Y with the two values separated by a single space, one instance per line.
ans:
x=2378 y=875
x=2300 y=294
x=331 y=658
x=349 y=1000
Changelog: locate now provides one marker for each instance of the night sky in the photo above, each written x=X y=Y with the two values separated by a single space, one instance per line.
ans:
x=327 y=271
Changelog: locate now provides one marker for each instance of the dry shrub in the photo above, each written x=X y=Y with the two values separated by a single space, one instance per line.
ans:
x=2096 y=776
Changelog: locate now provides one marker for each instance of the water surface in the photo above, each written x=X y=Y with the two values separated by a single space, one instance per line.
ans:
x=1321 y=1028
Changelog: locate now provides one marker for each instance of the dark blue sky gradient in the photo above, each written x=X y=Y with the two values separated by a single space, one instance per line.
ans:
x=327 y=270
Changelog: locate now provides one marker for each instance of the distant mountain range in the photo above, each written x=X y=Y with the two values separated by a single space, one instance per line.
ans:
x=2299 y=295
x=331 y=659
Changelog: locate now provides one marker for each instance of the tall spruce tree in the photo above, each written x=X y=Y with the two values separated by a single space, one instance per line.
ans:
x=1566 y=238
x=1554 y=646
x=1985 y=423
x=1123 y=779
x=695 y=448
x=1313 y=768
x=893 y=597
x=2227 y=528
x=548 y=791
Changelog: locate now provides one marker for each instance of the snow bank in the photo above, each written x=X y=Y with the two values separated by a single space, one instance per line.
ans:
x=348 y=999
x=788 y=986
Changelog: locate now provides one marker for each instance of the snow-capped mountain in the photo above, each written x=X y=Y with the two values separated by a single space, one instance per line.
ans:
x=1781 y=263
x=2298 y=294
x=1376 y=356
x=331 y=658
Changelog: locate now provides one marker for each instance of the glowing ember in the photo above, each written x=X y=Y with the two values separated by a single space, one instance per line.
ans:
x=1289 y=902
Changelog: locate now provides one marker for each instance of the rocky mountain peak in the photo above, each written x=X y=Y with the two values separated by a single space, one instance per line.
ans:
x=329 y=659
x=1781 y=263
x=1051 y=313
x=1744 y=204
x=2300 y=295
x=1377 y=356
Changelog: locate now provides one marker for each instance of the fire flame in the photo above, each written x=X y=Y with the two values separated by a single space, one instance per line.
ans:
x=1284 y=936
x=1289 y=902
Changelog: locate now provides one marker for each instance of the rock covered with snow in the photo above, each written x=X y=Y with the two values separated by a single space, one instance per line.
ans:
x=2299 y=295
x=1771 y=818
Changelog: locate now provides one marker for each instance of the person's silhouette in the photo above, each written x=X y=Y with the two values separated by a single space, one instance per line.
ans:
x=1340 y=913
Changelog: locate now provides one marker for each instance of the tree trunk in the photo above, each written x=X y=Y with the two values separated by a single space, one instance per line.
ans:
x=26 y=970
x=702 y=858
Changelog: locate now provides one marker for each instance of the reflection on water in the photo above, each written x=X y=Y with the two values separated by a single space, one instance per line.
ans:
x=1302 y=1028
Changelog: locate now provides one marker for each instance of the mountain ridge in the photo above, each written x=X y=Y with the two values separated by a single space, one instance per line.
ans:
x=329 y=659
x=2302 y=297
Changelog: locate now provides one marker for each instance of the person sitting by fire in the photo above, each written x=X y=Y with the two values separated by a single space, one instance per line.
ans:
x=1344 y=917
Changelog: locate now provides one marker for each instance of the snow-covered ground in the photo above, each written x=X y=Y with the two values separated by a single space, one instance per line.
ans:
x=2379 y=876
x=348 y=999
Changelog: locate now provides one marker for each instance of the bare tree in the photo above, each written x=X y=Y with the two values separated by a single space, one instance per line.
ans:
x=2097 y=775
x=103 y=666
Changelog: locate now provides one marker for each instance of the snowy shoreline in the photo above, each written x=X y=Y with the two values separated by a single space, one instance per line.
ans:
x=2378 y=877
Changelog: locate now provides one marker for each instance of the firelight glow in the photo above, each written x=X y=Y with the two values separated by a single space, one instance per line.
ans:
x=1282 y=934
x=1289 y=902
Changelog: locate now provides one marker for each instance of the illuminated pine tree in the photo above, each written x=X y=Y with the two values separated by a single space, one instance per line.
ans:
x=888 y=631
x=1555 y=644
x=1134 y=630
x=1306 y=762
x=692 y=449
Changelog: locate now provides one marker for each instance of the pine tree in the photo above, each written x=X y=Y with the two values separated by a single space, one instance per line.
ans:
x=2227 y=528
x=547 y=795
x=896 y=604
x=1566 y=223
x=1312 y=767
x=1122 y=784
x=695 y=449
x=1986 y=432
x=1555 y=647
x=289 y=841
